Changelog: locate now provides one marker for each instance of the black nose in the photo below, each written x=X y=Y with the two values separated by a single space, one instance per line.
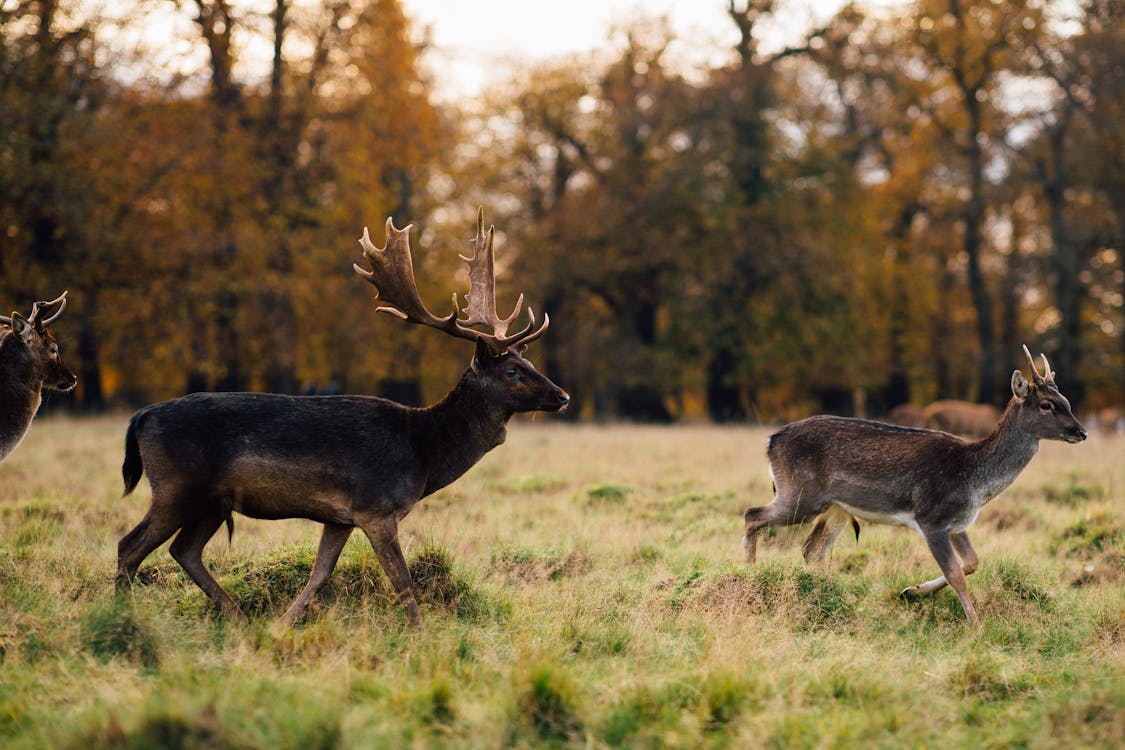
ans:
x=563 y=397
x=1079 y=433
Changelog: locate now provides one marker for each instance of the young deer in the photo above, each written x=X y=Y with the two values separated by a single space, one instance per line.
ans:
x=343 y=461
x=29 y=362
x=930 y=481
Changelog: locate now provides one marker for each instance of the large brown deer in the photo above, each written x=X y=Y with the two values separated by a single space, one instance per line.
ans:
x=343 y=461
x=930 y=481
x=29 y=362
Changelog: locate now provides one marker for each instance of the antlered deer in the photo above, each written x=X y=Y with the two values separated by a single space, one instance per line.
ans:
x=343 y=461
x=29 y=362
x=930 y=481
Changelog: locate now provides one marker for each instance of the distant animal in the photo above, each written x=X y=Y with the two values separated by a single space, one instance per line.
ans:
x=342 y=461
x=907 y=415
x=930 y=481
x=29 y=362
x=962 y=418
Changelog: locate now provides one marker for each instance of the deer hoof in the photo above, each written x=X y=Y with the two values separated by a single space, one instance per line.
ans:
x=910 y=593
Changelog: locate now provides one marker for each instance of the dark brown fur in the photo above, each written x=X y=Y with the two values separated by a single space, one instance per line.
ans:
x=342 y=461
x=29 y=362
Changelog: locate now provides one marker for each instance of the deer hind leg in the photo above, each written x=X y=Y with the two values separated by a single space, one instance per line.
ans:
x=969 y=564
x=153 y=530
x=788 y=508
x=824 y=534
x=332 y=541
x=187 y=550
x=382 y=532
x=942 y=546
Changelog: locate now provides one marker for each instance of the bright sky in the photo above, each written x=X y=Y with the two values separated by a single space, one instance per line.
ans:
x=479 y=41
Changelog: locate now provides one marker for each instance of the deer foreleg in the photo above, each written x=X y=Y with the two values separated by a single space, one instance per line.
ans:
x=383 y=535
x=332 y=542
x=942 y=546
x=187 y=550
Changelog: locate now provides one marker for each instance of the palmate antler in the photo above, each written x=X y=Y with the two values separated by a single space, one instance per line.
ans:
x=37 y=308
x=392 y=274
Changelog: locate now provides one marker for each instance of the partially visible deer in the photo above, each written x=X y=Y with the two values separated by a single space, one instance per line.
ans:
x=930 y=481
x=29 y=362
x=963 y=418
x=343 y=461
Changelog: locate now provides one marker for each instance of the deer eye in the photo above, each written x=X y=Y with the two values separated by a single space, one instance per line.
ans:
x=1045 y=406
x=512 y=373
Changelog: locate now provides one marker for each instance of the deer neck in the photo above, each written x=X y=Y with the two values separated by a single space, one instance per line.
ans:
x=1000 y=457
x=458 y=430
x=20 y=387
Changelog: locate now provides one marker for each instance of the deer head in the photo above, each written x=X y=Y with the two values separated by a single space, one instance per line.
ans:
x=507 y=377
x=1044 y=412
x=33 y=334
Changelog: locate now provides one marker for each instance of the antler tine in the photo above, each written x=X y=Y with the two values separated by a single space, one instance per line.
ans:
x=1048 y=376
x=1031 y=361
x=481 y=298
x=392 y=275
x=60 y=301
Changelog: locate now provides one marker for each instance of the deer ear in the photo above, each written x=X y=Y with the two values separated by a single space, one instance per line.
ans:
x=482 y=355
x=1019 y=385
x=22 y=328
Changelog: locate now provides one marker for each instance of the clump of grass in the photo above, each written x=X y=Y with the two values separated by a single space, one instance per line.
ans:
x=1073 y=491
x=267 y=583
x=434 y=703
x=532 y=566
x=602 y=637
x=529 y=485
x=981 y=677
x=607 y=494
x=166 y=729
x=438 y=584
x=546 y=704
x=111 y=630
x=725 y=696
x=647 y=715
x=36 y=523
x=1090 y=535
x=809 y=598
x=1016 y=582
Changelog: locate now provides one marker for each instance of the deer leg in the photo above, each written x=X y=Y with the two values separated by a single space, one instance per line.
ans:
x=824 y=534
x=187 y=550
x=941 y=545
x=785 y=510
x=332 y=541
x=153 y=530
x=383 y=535
x=969 y=564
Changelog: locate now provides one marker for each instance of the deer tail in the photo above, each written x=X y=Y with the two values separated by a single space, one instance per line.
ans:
x=230 y=526
x=855 y=527
x=132 y=468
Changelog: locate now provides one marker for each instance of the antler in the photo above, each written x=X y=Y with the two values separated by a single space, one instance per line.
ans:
x=392 y=274
x=482 y=295
x=37 y=308
x=1048 y=377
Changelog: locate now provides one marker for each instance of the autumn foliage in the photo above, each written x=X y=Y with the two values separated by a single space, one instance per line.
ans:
x=879 y=211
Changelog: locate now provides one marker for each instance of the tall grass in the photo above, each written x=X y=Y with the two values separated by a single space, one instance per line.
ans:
x=582 y=586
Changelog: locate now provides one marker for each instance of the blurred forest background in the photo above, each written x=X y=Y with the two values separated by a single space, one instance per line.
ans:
x=879 y=213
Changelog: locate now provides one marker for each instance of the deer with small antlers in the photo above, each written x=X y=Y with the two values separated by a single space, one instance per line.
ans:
x=29 y=362
x=342 y=461
x=935 y=483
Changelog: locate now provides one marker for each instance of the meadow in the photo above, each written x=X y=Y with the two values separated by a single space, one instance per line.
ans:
x=582 y=586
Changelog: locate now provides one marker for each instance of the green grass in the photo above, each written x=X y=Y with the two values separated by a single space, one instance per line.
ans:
x=581 y=587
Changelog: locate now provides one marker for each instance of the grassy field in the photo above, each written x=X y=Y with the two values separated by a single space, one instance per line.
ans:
x=582 y=586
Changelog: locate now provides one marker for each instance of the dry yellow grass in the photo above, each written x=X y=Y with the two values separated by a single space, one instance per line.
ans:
x=584 y=586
